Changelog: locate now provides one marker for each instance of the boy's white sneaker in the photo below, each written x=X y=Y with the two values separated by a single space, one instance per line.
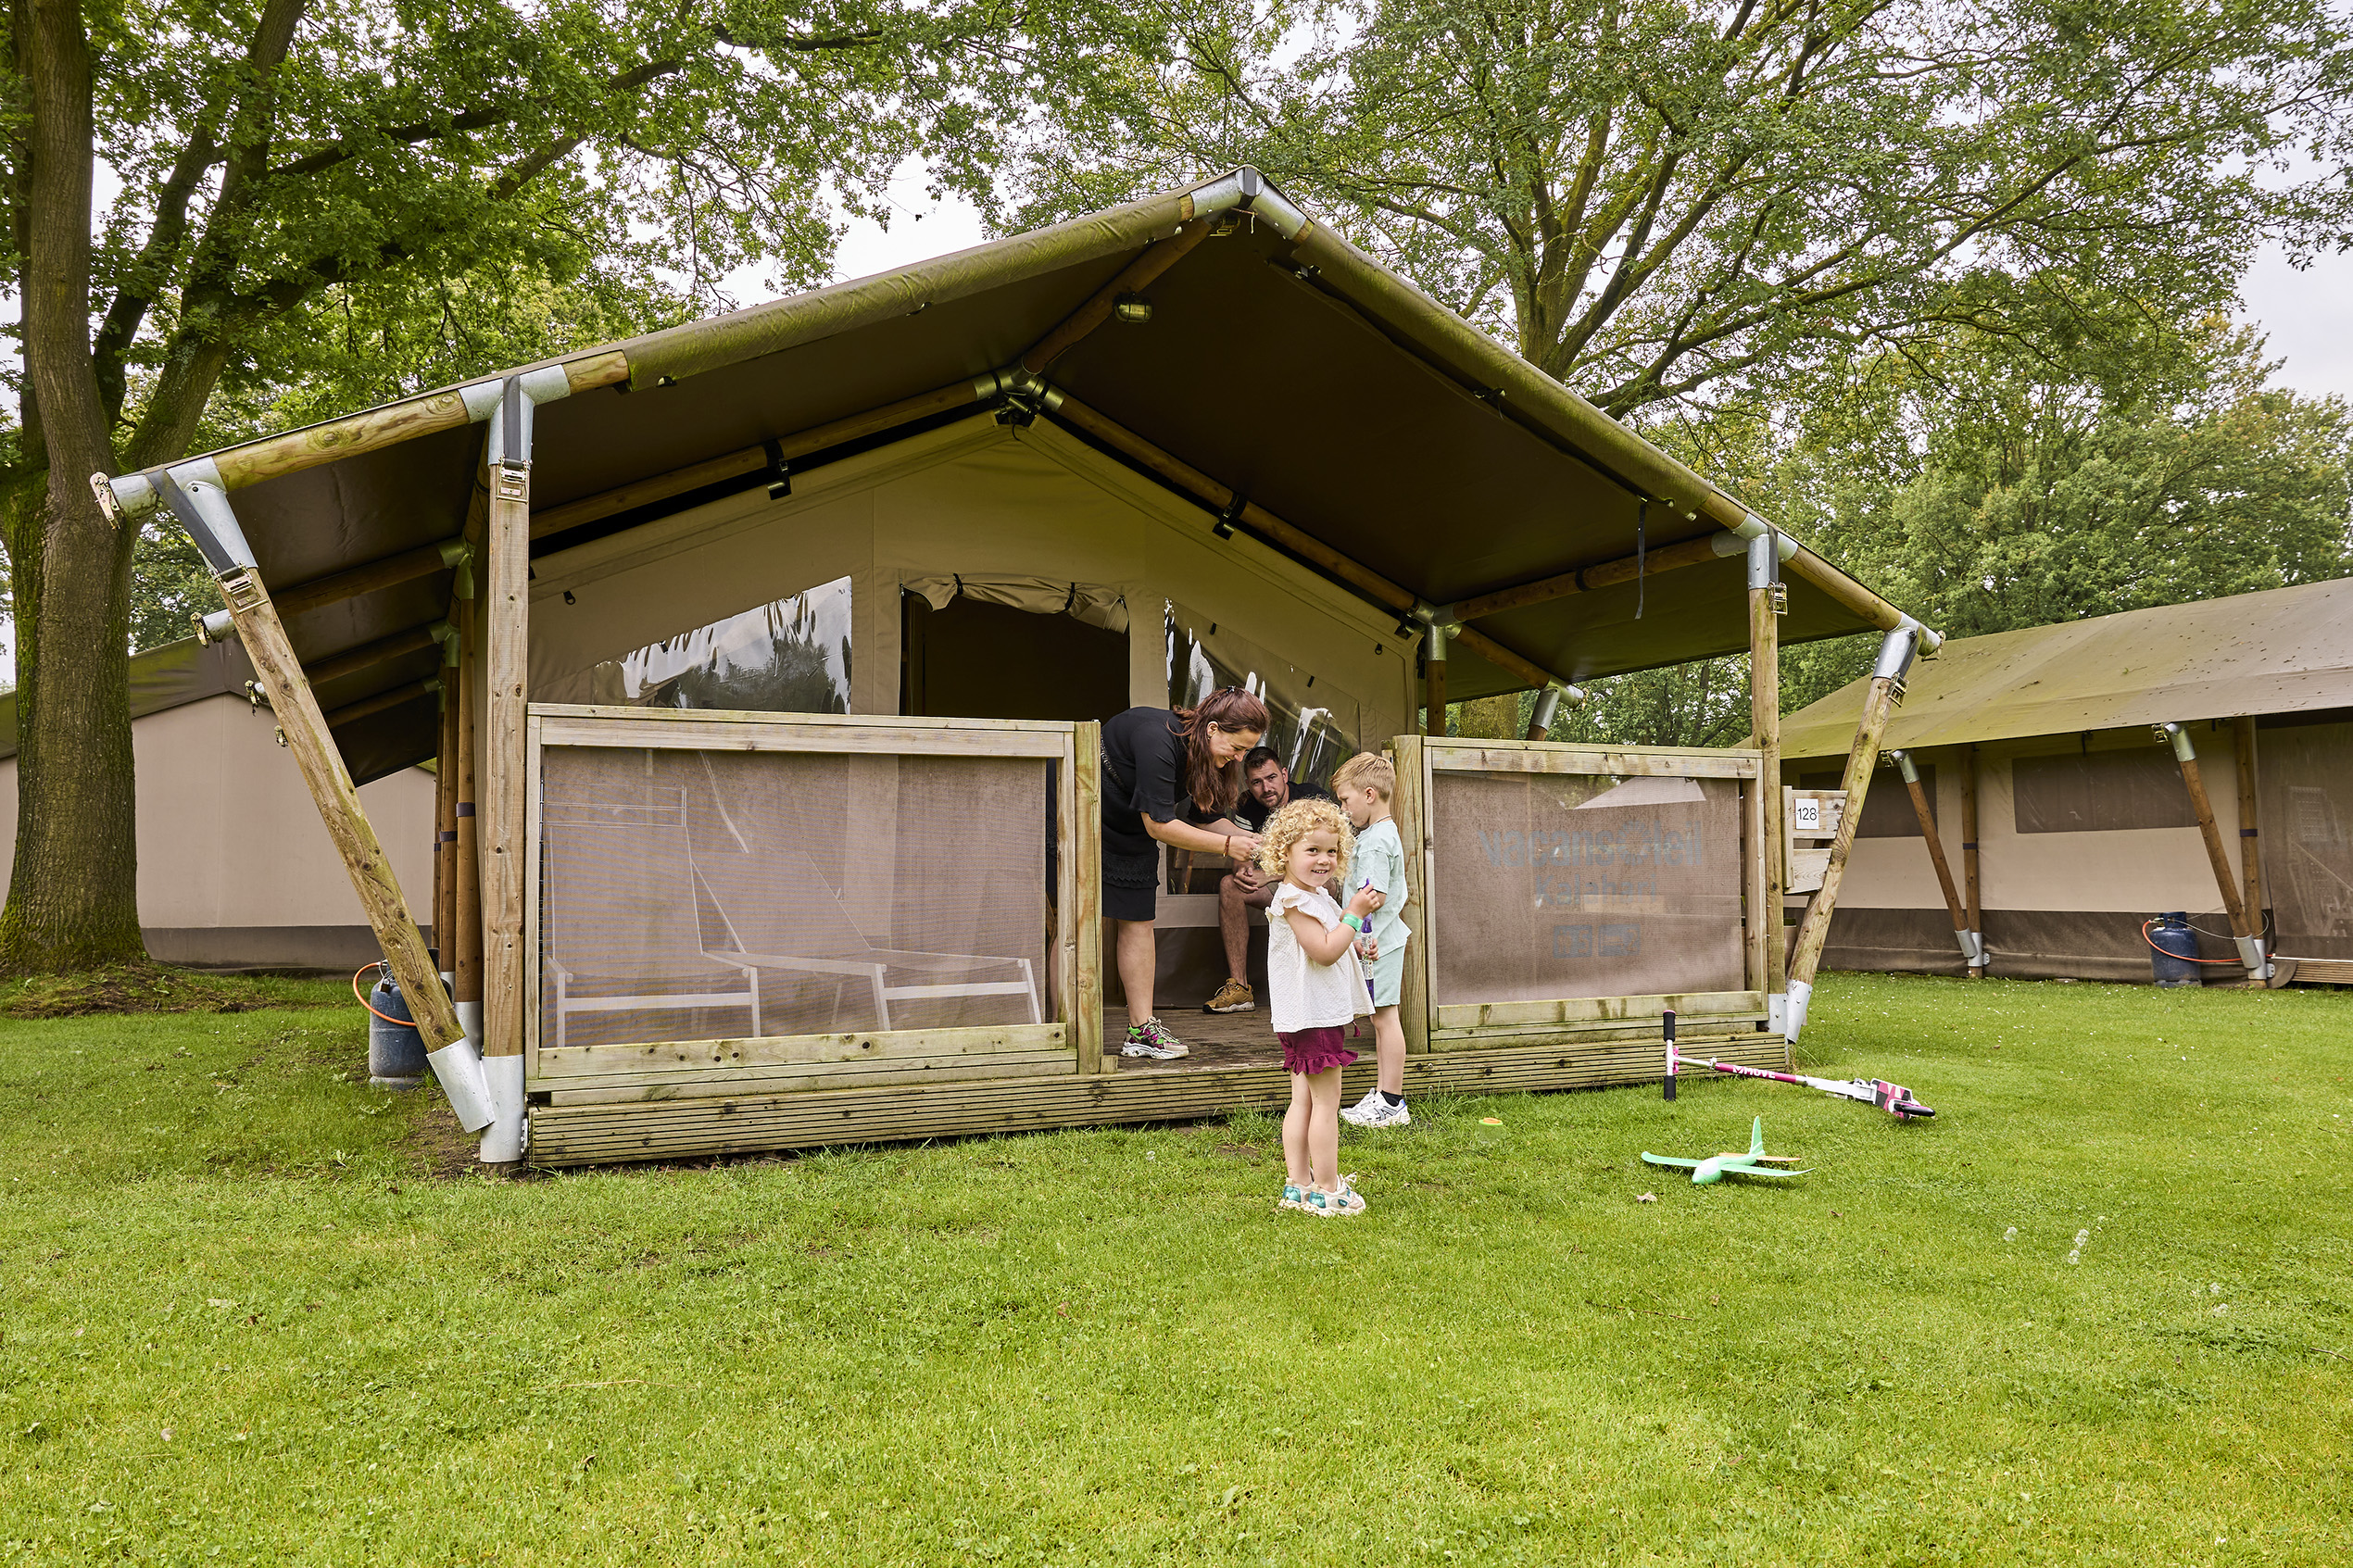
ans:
x=1360 y=1114
x=1385 y=1115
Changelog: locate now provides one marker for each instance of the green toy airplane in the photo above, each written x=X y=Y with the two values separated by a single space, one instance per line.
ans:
x=1716 y=1167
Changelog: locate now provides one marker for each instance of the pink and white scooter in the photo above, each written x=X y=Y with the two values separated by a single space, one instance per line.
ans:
x=1894 y=1098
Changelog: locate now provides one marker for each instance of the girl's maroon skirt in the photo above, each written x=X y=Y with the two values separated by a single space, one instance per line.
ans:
x=1311 y=1051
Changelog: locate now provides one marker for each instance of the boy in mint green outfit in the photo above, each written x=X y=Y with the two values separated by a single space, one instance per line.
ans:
x=1365 y=784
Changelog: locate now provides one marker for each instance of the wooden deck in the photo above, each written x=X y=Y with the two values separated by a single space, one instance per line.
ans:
x=1211 y=1039
x=1133 y=1091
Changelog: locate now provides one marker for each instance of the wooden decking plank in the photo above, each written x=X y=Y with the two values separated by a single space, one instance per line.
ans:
x=570 y=1134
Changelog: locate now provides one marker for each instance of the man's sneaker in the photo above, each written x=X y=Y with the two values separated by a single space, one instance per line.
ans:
x=1152 y=1038
x=1341 y=1204
x=1294 y=1197
x=1361 y=1113
x=1235 y=995
x=1384 y=1115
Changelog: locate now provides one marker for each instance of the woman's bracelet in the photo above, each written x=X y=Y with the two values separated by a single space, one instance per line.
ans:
x=1229 y=847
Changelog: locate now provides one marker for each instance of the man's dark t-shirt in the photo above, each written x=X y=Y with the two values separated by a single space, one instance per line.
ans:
x=1252 y=815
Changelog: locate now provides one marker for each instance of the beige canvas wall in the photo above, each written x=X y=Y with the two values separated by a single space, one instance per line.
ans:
x=2133 y=869
x=230 y=841
x=975 y=498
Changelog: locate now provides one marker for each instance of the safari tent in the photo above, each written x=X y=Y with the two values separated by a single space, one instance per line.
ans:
x=235 y=869
x=783 y=640
x=2063 y=808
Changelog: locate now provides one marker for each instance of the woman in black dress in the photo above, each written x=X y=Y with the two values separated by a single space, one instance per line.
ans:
x=1156 y=764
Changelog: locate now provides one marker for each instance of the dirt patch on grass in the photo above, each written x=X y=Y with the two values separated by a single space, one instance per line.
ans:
x=127 y=988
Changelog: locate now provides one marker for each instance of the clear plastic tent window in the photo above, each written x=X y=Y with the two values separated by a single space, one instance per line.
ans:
x=1314 y=724
x=695 y=894
x=1551 y=886
x=788 y=657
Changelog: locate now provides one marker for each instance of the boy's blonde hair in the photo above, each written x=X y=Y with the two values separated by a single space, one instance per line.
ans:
x=1295 y=821
x=1367 y=767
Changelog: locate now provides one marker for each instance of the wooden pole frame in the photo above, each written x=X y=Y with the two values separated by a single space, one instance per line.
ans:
x=1410 y=809
x=1923 y=810
x=1969 y=861
x=2248 y=936
x=1434 y=681
x=2243 y=743
x=1878 y=703
x=1766 y=601
x=445 y=839
x=505 y=795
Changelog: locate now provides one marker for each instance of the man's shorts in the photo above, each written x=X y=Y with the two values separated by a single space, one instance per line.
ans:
x=1388 y=977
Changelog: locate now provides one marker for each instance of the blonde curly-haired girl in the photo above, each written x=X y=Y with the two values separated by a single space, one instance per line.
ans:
x=1316 y=989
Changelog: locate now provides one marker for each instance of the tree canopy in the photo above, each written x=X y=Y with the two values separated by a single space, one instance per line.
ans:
x=348 y=202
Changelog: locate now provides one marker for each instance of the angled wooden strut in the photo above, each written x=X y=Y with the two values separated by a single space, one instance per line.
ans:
x=1879 y=702
x=2246 y=928
x=1963 y=936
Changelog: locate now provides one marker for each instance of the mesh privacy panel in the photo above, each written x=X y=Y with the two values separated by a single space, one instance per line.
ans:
x=2305 y=779
x=1554 y=885
x=689 y=894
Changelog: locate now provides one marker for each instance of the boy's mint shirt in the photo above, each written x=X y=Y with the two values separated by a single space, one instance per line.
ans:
x=1380 y=857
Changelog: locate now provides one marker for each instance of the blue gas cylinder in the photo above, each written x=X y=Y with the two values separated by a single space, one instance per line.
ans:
x=2173 y=945
x=396 y=1051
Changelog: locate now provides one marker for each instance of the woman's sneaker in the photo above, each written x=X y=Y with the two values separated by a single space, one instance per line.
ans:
x=1361 y=1113
x=1152 y=1038
x=1384 y=1114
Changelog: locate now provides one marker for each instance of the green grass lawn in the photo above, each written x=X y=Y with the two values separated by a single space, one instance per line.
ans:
x=2096 y=1311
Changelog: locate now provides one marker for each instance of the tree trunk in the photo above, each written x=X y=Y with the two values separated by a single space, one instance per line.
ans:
x=73 y=894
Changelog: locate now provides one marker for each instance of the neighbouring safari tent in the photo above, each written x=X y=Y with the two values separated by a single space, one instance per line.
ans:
x=236 y=870
x=2066 y=815
x=786 y=637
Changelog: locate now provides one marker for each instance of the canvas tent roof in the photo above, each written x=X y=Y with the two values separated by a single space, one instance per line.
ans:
x=1278 y=359
x=2286 y=650
x=162 y=678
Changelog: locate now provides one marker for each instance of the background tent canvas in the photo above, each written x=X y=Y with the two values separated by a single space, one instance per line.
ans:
x=2083 y=827
x=236 y=870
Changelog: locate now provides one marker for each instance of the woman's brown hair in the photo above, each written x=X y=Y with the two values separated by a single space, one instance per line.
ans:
x=1231 y=708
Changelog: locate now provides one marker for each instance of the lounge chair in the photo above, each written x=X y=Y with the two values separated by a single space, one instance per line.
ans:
x=622 y=929
x=775 y=910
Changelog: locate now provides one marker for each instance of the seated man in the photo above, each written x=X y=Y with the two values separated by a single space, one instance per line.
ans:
x=1267 y=788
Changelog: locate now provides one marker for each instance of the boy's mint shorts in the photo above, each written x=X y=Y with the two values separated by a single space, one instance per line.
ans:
x=1388 y=978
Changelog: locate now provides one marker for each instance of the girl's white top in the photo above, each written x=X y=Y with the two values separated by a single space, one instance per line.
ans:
x=1303 y=994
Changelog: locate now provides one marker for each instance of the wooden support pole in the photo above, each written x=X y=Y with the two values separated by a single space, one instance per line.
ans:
x=305 y=727
x=1689 y=552
x=1547 y=710
x=369 y=655
x=388 y=572
x=445 y=837
x=1969 y=858
x=1814 y=931
x=1923 y=810
x=1083 y=920
x=751 y=459
x=1136 y=276
x=1182 y=476
x=1765 y=733
x=467 y=891
x=1434 y=683
x=1410 y=808
x=372 y=430
x=2242 y=930
x=2250 y=837
x=369 y=707
x=506 y=658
